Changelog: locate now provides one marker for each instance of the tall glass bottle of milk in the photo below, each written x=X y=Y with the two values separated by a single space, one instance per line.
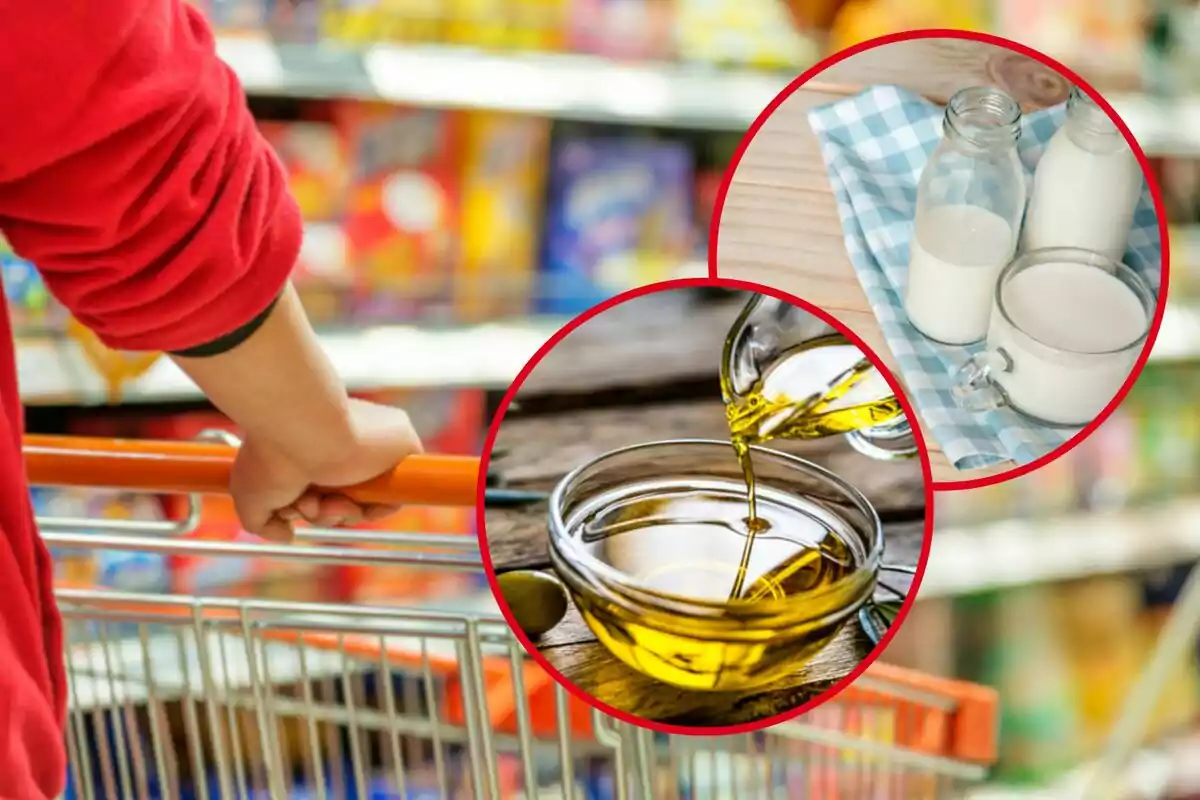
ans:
x=1086 y=185
x=970 y=201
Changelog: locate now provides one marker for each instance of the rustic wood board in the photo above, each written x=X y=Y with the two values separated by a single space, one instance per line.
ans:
x=649 y=339
x=533 y=453
x=780 y=224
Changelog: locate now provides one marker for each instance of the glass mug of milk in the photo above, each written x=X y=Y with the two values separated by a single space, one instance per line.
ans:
x=970 y=201
x=777 y=351
x=1086 y=185
x=1067 y=327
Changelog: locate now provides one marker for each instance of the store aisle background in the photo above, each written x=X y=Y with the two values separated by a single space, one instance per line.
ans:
x=473 y=177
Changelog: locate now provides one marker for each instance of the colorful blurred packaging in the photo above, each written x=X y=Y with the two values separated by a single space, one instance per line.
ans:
x=450 y=422
x=322 y=276
x=358 y=22
x=641 y=29
x=1085 y=34
x=708 y=186
x=314 y=155
x=1179 y=698
x=619 y=215
x=235 y=16
x=125 y=570
x=859 y=20
x=72 y=567
x=507 y=24
x=30 y=306
x=755 y=33
x=1098 y=621
x=1007 y=640
x=503 y=187
x=402 y=225
x=1103 y=464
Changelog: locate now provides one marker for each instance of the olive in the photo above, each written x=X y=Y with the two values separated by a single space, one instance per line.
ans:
x=537 y=600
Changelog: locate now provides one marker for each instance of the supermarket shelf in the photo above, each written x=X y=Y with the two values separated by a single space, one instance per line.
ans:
x=385 y=357
x=683 y=95
x=567 y=86
x=54 y=371
x=1018 y=552
x=1145 y=777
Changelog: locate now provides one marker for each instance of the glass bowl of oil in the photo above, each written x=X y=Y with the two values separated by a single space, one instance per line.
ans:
x=655 y=545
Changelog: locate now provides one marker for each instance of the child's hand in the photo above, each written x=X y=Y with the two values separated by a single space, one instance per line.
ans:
x=271 y=491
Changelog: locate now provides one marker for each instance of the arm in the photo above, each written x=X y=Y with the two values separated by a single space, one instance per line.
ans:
x=133 y=175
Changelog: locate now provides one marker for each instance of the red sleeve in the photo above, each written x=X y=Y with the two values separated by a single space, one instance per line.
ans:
x=132 y=173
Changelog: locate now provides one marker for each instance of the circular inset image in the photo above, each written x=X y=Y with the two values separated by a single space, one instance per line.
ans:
x=716 y=522
x=976 y=213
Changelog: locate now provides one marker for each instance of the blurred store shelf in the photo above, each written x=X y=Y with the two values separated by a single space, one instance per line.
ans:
x=561 y=85
x=54 y=371
x=1018 y=552
x=1145 y=777
x=583 y=87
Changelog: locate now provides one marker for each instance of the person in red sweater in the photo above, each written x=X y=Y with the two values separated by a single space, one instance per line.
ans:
x=133 y=176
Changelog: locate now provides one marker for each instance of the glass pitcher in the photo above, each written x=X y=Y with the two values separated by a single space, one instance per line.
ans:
x=786 y=373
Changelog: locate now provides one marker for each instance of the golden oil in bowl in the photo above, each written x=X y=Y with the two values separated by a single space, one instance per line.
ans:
x=650 y=540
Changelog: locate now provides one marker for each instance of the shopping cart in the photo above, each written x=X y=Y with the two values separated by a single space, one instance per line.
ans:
x=186 y=696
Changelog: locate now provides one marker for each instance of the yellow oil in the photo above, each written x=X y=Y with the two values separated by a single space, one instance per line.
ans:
x=686 y=541
x=824 y=387
x=700 y=540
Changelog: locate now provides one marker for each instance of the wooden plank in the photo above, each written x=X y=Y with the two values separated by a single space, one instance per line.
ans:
x=936 y=68
x=650 y=339
x=780 y=225
x=534 y=452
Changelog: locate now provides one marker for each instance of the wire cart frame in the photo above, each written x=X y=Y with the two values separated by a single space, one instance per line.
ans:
x=200 y=696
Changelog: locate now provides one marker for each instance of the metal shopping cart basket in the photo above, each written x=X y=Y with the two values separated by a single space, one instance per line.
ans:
x=183 y=695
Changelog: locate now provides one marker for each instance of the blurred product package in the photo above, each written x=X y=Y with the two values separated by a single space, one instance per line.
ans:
x=755 y=33
x=1009 y=640
x=506 y=24
x=403 y=222
x=31 y=307
x=641 y=29
x=619 y=215
x=359 y=22
x=504 y=177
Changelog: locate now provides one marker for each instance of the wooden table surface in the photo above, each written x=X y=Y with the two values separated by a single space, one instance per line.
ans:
x=780 y=225
x=535 y=451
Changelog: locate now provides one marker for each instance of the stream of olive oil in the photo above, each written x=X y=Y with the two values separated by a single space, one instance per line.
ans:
x=773 y=411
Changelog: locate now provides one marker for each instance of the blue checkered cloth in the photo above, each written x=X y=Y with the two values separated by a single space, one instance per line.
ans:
x=875 y=145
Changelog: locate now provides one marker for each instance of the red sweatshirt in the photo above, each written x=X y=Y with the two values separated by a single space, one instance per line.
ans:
x=132 y=175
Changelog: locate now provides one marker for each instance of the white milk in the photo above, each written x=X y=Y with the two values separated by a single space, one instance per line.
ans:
x=956 y=254
x=1084 y=313
x=1082 y=198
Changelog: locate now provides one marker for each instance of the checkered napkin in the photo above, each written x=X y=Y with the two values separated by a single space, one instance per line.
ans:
x=875 y=145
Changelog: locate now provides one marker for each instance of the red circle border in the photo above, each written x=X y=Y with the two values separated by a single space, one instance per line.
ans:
x=490 y=569
x=1061 y=69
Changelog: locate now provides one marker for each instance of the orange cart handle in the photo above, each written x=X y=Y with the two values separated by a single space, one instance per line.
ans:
x=170 y=467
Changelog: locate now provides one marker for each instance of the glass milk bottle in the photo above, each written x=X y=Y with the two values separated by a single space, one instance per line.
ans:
x=1086 y=185
x=969 y=206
